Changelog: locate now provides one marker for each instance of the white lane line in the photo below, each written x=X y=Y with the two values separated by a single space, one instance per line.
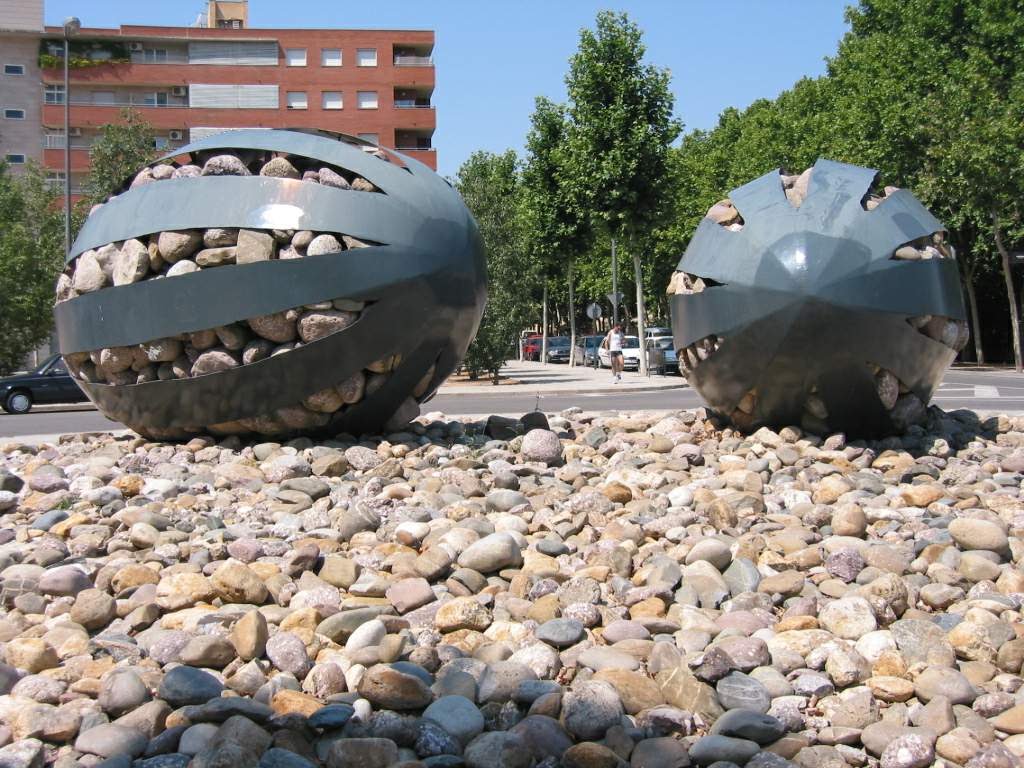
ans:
x=1006 y=400
x=985 y=390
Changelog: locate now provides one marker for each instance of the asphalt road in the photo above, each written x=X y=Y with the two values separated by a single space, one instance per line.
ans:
x=987 y=390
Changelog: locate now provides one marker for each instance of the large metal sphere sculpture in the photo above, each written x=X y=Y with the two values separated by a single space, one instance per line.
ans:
x=272 y=282
x=810 y=301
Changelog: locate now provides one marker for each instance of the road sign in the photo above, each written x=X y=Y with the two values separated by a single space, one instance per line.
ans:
x=615 y=298
x=594 y=311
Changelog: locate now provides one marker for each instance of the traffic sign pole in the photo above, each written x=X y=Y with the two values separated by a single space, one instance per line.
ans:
x=615 y=285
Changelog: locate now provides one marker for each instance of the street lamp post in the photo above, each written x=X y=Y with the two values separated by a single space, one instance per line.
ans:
x=71 y=27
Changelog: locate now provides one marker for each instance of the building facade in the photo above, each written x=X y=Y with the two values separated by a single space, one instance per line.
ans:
x=192 y=81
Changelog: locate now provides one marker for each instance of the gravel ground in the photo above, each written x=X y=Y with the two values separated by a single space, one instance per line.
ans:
x=580 y=590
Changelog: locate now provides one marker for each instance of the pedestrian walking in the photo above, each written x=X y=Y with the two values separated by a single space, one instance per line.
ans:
x=613 y=343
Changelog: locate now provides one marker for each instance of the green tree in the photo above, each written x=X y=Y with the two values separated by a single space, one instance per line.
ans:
x=555 y=220
x=120 y=151
x=974 y=165
x=491 y=187
x=621 y=127
x=930 y=93
x=31 y=258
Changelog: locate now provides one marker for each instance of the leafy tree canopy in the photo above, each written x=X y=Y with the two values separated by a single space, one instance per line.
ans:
x=31 y=258
x=120 y=151
x=491 y=186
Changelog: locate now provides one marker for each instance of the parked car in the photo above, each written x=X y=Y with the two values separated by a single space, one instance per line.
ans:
x=630 y=354
x=587 y=351
x=654 y=331
x=668 y=348
x=49 y=383
x=558 y=349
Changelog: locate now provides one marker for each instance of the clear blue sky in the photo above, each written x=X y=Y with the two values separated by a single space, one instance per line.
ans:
x=493 y=57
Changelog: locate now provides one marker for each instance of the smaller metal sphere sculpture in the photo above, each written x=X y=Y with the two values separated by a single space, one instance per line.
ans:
x=812 y=301
x=271 y=282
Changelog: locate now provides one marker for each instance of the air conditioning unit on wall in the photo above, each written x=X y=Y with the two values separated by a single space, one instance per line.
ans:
x=74 y=131
x=179 y=90
x=134 y=46
x=176 y=135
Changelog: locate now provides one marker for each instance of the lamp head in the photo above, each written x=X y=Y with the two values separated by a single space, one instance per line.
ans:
x=71 y=26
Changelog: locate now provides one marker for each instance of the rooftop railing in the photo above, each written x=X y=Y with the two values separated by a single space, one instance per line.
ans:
x=58 y=185
x=120 y=101
x=153 y=57
x=57 y=142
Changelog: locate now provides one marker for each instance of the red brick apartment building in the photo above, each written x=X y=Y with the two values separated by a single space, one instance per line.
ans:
x=217 y=74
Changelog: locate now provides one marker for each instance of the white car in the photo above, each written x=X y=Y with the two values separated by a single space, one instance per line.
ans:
x=630 y=354
x=656 y=331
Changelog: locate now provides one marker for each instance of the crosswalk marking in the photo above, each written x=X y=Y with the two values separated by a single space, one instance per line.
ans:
x=984 y=390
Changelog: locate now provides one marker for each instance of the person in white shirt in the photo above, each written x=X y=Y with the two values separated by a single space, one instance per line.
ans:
x=613 y=343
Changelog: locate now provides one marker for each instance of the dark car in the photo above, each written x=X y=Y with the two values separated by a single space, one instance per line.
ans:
x=587 y=351
x=667 y=348
x=558 y=349
x=49 y=383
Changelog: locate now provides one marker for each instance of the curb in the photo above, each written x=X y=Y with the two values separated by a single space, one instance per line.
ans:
x=54 y=437
x=609 y=389
x=62 y=408
x=511 y=390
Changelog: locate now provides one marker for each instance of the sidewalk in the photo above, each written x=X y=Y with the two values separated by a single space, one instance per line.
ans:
x=561 y=379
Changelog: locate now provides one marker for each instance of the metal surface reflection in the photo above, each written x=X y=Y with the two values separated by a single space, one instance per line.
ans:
x=805 y=307
x=424 y=286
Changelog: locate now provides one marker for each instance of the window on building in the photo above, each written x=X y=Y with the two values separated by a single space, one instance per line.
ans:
x=160 y=142
x=103 y=98
x=297 y=100
x=367 y=99
x=54 y=138
x=295 y=57
x=223 y=96
x=366 y=57
x=373 y=138
x=262 y=53
x=53 y=94
x=330 y=57
x=14 y=69
x=154 y=55
x=156 y=99
x=15 y=159
x=55 y=179
x=331 y=100
x=14 y=114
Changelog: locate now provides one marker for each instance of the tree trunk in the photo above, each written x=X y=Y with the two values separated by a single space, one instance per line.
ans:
x=640 y=330
x=1011 y=293
x=572 y=320
x=544 y=326
x=972 y=302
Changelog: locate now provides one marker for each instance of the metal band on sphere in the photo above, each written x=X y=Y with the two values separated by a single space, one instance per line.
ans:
x=810 y=301
x=273 y=282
